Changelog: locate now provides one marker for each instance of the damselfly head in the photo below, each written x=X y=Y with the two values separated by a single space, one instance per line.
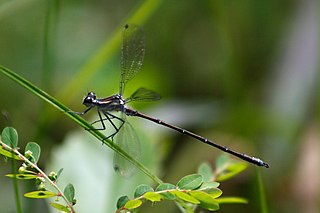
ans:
x=89 y=99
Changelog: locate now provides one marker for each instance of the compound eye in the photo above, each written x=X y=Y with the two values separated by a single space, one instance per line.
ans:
x=92 y=95
x=89 y=99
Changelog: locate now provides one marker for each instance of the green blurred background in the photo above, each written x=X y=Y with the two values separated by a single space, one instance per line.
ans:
x=243 y=73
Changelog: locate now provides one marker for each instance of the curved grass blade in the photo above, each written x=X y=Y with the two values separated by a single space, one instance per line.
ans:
x=82 y=122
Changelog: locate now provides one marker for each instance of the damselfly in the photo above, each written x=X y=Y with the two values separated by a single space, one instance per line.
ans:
x=132 y=54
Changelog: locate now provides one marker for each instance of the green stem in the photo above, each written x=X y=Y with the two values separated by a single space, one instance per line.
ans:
x=15 y=186
x=263 y=202
x=43 y=174
x=55 y=103
x=50 y=25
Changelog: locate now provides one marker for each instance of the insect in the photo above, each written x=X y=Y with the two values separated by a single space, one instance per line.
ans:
x=132 y=55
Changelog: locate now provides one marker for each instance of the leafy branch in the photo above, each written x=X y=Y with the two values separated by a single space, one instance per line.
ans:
x=191 y=191
x=29 y=170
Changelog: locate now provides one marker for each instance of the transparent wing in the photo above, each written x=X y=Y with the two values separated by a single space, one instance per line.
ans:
x=128 y=140
x=143 y=94
x=132 y=53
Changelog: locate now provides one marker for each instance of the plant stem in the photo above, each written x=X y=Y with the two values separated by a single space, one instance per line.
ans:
x=15 y=186
x=43 y=174
x=263 y=202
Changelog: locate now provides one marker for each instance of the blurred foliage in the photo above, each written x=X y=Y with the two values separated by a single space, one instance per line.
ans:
x=243 y=73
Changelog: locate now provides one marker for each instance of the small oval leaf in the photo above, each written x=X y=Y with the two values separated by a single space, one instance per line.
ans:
x=214 y=192
x=214 y=206
x=152 y=196
x=206 y=171
x=209 y=185
x=142 y=189
x=59 y=172
x=122 y=201
x=232 y=200
x=206 y=200
x=8 y=154
x=190 y=182
x=133 y=204
x=202 y=196
x=40 y=194
x=221 y=161
x=168 y=196
x=228 y=167
x=22 y=176
x=9 y=136
x=231 y=170
x=165 y=186
x=60 y=207
x=35 y=149
x=184 y=196
x=69 y=192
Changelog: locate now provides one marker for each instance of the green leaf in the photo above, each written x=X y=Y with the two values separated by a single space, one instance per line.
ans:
x=190 y=182
x=9 y=136
x=133 y=204
x=214 y=192
x=40 y=194
x=122 y=201
x=168 y=196
x=221 y=161
x=8 y=154
x=231 y=169
x=209 y=185
x=201 y=196
x=69 y=192
x=214 y=206
x=232 y=200
x=22 y=176
x=152 y=196
x=35 y=149
x=164 y=187
x=60 y=207
x=142 y=189
x=206 y=200
x=206 y=171
x=59 y=173
x=186 y=197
